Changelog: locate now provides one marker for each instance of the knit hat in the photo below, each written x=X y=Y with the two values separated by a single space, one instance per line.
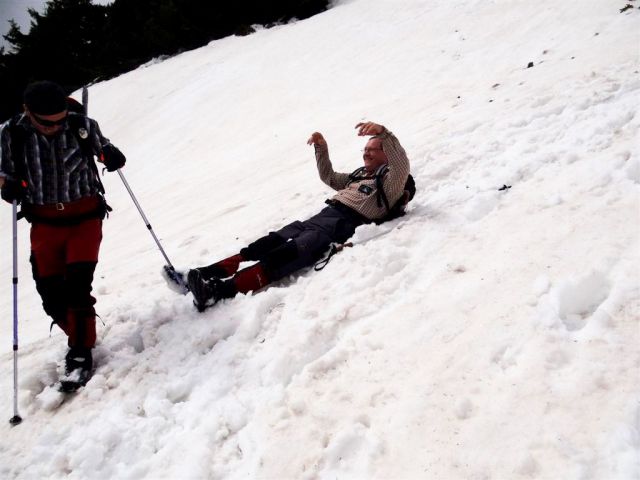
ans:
x=45 y=98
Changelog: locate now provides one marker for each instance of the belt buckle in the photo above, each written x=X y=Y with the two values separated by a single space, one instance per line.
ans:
x=59 y=207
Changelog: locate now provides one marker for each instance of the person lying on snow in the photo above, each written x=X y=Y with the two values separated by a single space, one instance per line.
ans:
x=301 y=244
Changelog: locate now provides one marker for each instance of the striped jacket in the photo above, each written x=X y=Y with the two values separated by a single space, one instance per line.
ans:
x=365 y=201
x=55 y=169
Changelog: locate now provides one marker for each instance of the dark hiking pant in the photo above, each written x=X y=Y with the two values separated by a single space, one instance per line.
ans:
x=302 y=243
x=63 y=260
x=297 y=245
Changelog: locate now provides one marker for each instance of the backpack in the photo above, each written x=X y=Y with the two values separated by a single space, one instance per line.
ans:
x=397 y=209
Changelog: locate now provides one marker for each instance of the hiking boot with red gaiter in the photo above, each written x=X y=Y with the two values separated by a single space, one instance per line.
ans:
x=207 y=291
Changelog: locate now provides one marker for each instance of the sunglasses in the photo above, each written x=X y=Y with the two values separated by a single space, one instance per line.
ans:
x=49 y=123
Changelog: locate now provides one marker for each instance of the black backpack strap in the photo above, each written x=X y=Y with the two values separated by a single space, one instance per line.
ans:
x=382 y=197
x=378 y=175
x=357 y=175
x=333 y=249
x=82 y=130
x=410 y=186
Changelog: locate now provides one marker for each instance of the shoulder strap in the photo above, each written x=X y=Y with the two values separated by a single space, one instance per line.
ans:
x=382 y=197
x=81 y=128
x=356 y=175
x=378 y=175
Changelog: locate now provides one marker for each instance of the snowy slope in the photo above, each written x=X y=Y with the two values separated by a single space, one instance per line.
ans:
x=489 y=334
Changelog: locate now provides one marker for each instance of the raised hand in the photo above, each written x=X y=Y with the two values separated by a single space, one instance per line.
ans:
x=316 y=138
x=369 y=128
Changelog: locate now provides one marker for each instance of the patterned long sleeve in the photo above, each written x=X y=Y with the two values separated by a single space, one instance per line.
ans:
x=337 y=181
x=364 y=200
x=55 y=169
x=7 y=167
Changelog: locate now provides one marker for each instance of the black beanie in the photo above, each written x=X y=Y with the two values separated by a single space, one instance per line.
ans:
x=45 y=98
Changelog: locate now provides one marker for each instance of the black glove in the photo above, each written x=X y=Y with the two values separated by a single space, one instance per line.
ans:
x=112 y=158
x=13 y=190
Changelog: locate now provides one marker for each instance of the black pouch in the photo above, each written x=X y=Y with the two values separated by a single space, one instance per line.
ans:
x=366 y=189
x=104 y=208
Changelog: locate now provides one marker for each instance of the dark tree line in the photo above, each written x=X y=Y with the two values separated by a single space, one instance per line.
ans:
x=75 y=42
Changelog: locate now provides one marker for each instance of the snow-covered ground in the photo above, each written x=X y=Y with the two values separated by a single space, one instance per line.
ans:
x=489 y=334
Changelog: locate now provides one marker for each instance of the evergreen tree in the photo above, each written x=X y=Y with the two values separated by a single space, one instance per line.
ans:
x=75 y=42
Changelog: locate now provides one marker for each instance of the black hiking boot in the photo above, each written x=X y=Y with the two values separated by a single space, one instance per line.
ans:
x=204 y=290
x=78 y=369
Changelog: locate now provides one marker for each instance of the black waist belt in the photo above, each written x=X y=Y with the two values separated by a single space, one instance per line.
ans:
x=63 y=222
x=66 y=214
x=348 y=212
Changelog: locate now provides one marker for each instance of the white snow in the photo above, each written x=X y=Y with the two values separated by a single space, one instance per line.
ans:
x=486 y=335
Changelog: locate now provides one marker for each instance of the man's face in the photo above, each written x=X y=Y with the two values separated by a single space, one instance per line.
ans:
x=373 y=155
x=47 y=124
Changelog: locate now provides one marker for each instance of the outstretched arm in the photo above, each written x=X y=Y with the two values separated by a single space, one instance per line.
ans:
x=337 y=181
x=398 y=162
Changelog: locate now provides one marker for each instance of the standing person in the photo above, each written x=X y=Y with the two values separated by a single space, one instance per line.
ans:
x=47 y=164
x=364 y=196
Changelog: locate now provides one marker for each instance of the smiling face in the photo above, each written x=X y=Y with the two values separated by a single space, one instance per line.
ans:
x=47 y=124
x=373 y=155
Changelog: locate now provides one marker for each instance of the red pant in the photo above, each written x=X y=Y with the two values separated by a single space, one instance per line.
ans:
x=64 y=260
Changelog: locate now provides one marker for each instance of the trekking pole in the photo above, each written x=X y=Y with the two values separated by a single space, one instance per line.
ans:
x=135 y=201
x=171 y=271
x=85 y=100
x=16 y=419
x=168 y=268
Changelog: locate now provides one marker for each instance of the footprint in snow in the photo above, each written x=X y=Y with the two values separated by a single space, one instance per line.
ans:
x=188 y=241
x=463 y=408
x=556 y=360
x=505 y=356
x=576 y=300
x=632 y=170
x=353 y=449
x=481 y=205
